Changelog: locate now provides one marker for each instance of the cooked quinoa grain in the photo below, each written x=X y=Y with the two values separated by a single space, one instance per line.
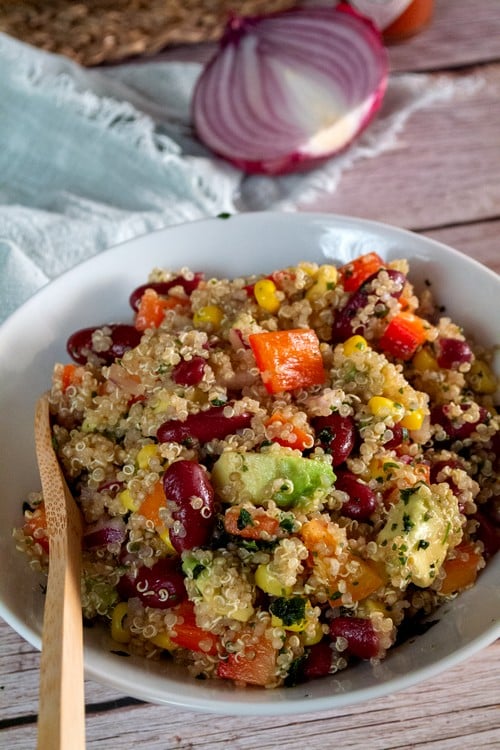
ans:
x=276 y=474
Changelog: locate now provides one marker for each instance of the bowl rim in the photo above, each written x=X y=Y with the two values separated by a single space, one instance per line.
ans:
x=240 y=705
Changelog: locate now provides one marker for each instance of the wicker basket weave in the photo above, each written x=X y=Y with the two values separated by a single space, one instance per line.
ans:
x=99 y=31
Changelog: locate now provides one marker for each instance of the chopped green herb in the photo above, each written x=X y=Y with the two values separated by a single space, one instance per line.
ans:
x=218 y=402
x=287 y=523
x=422 y=544
x=289 y=610
x=408 y=524
x=244 y=519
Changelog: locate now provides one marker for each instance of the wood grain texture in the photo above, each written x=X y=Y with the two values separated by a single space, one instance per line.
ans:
x=443 y=180
x=460 y=708
x=61 y=716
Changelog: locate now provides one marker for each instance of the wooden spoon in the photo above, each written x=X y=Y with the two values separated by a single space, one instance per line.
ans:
x=61 y=718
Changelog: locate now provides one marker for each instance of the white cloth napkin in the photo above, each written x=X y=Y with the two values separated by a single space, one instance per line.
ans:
x=92 y=157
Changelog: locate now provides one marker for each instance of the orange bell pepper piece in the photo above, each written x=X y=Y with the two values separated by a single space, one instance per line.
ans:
x=152 y=307
x=460 y=573
x=288 y=359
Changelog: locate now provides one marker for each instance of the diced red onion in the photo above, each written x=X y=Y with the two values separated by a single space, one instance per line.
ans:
x=288 y=90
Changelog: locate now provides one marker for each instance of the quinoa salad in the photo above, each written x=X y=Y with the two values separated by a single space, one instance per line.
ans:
x=278 y=475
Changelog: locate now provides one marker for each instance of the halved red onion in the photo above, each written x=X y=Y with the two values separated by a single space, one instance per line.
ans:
x=288 y=90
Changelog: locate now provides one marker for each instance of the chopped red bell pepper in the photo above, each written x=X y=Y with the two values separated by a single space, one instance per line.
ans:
x=187 y=634
x=402 y=337
x=288 y=359
x=353 y=274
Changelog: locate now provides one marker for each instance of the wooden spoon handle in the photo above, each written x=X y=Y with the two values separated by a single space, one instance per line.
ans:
x=61 y=718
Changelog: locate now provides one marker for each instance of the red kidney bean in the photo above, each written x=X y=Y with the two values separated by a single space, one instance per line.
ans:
x=319 y=660
x=399 y=436
x=362 y=500
x=342 y=327
x=203 y=426
x=189 y=371
x=189 y=491
x=452 y=353
x=362 y=640
x=104 y=531
x=337 y=435
x=453 y=429
x=123 y=337
x=163 y=287
x=161 y=586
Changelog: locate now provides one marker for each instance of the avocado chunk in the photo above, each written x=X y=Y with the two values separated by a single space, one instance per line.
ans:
x=419 y=530
x=291 y=481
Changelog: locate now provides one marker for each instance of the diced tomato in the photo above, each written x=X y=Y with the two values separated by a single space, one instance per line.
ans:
x=299 y=438
x=36 y=526
x=250 y=523
x=187 y=634
x=402 y=337
x=257 y=666
x=152 y=307
x=288 y=359
x=353 y=274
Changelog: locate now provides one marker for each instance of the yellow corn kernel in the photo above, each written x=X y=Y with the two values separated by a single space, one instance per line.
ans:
x=265 y=293
x=146 y=453
x=326 y=279
x=481 y=377
x=128 y=501
x=164 y=535
x=413 y=420
x=119 y=632
x=380 y=406
x=163 y=640
x=312 y=634
x=266 y=581
x=355 y=344
x=208 y=316
x=381 y=469
x=424 y=360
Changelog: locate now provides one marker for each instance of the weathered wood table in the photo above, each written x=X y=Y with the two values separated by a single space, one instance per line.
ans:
x=442 y=180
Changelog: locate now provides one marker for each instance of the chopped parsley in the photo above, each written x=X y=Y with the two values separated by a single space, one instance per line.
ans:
x=287 y=523
x=423 y=544
x=289 y=610
x=244 y=519
x=408 y=524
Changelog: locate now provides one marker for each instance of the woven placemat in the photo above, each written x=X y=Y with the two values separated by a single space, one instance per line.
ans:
x=101 y=31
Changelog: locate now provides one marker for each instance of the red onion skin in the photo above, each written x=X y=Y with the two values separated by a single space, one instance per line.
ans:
x=291 y=159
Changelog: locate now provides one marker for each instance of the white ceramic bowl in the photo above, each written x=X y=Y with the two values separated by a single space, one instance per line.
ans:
x=97 y=292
